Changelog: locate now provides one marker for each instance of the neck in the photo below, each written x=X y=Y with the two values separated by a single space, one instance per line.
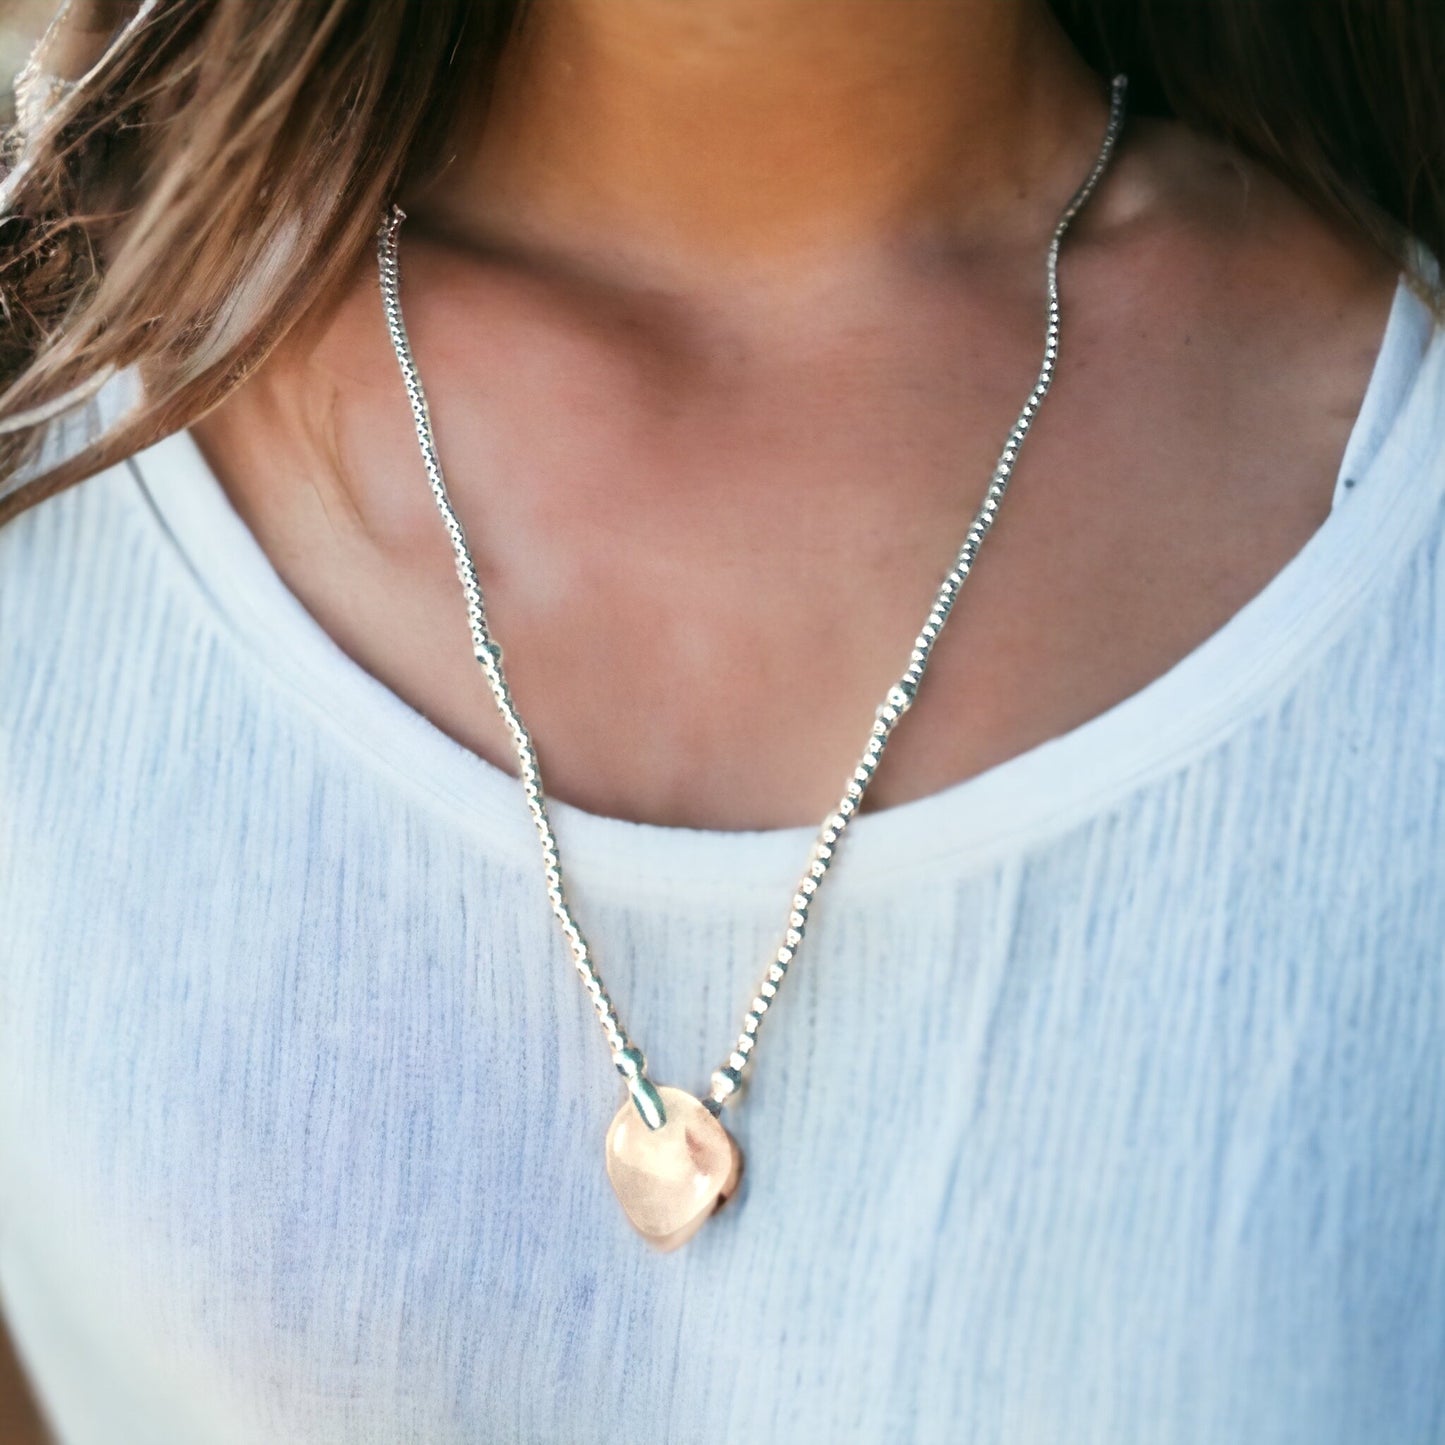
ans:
x=677 y=135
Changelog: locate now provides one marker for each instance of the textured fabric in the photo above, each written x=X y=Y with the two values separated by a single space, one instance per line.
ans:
x=1106 y=1102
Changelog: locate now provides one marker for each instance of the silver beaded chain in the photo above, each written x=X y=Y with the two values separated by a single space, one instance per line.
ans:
x=629 y=1059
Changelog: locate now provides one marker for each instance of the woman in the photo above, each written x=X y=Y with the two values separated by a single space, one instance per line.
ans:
x=1105 y=1103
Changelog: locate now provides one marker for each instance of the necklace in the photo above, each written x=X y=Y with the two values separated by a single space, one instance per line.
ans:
x=670 y=1160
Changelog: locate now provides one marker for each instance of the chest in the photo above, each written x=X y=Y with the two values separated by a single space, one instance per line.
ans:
x=706 y=564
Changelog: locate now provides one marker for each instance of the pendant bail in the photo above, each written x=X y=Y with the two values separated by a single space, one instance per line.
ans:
x=648 y=1101
x=632 y=1065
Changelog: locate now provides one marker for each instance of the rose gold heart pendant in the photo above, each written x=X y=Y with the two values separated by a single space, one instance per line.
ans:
x=673 y=1179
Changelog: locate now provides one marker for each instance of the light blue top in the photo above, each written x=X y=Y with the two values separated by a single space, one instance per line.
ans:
x=301 y=1104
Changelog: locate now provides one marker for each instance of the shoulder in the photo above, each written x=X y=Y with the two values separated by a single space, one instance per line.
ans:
x=49 y=536
x=1197 y=236
x=69 y=566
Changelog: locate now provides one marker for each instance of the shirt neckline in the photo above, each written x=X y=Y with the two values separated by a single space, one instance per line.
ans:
x=1038 y=793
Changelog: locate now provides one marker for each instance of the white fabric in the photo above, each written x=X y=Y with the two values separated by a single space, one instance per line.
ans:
x=301 y=1104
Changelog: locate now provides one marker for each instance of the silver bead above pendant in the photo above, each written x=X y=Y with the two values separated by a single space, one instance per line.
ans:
x=633 y=1067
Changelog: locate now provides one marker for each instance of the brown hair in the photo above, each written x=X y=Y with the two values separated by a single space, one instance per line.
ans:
x=223 y=163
